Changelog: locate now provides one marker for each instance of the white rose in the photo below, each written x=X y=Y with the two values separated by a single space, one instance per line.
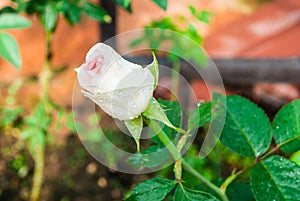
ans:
x=120 y=88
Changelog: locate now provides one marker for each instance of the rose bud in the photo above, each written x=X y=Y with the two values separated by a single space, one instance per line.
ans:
x=120 y=88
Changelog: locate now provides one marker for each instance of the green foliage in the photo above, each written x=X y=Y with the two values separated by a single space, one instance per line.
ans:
x=19 y=165
x=48 y=11
x=200 y=116
x=13 y=21
x=126 y=4
x=247 y=129
x=248 y=132
x=49 y=17
x=286 y=126
x=10 y=114
x=96 y=12
x=165 y=31
x=153 y=156
x=186 y=194
x=9 y=49
x=276 y=178
x=203 y=16
x=161 y=3
x=71 y=12
x=37 y=128
x=150 y=190
x=238 y=191
x=296 y=157
x=205 y=113
x=183 y=41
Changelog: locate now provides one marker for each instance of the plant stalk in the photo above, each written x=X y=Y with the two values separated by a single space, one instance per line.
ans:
x=175 y=80
x=232 y=177
x=176 y=155
x=39 y=154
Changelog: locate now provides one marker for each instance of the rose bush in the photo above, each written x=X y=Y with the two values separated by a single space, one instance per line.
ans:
x=120 y=88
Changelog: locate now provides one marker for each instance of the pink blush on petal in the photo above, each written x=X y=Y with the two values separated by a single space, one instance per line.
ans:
x=95 y=65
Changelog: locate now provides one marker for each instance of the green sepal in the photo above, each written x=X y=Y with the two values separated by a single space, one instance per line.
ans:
x=135 y=127
x=153 y=68
x=155 y=112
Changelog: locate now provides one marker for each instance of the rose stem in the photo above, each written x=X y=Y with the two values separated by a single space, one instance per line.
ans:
x=175 y=80
x=176 y=155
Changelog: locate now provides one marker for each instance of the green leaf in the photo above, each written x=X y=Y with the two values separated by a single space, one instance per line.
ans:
x=135 y=127
x=96 y=12
x=7 y=9
x=286 y=127
x=153 y=156
x=49 y=17
x=275 y=178
x=72 y=12
x=238 y=191
x=153 y=67
x=126 y=4
x=200 y=116
x=39 y=118
x=203 y=16
x=9 y=115
x=22 y=5
x=12 y=21
x=9 y=49
x=154 y=189
x=193 y=34
x=204 y=114
x=296 y=157
x=162 y=3
x=247 y=129
x=185 y=194
x=28 y=133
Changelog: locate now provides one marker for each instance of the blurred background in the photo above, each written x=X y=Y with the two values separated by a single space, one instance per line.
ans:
x=254 y=44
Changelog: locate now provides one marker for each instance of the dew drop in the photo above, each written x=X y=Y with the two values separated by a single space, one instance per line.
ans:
x=134 y=105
